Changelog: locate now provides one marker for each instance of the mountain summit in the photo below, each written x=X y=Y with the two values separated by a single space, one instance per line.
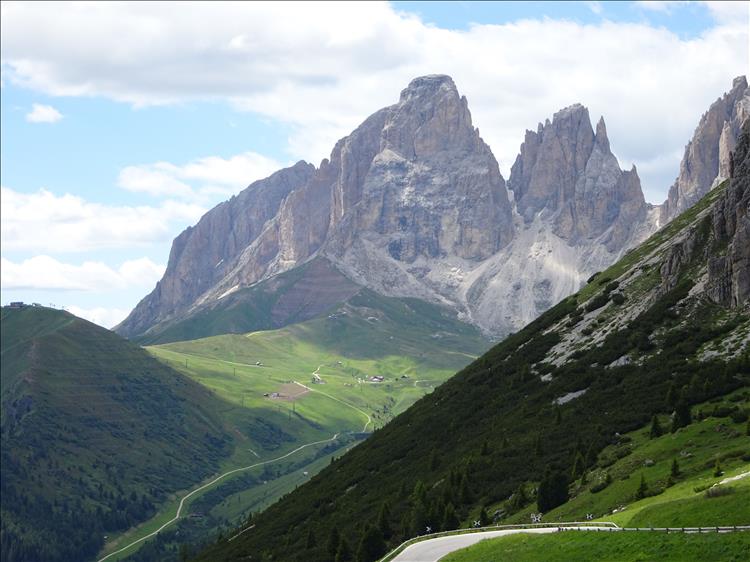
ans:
x=567 y=171
x=412 y=204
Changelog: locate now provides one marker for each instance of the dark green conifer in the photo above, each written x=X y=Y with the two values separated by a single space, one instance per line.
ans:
x=656 y=430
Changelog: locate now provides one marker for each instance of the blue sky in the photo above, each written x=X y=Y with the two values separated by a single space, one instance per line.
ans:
x=145 y=123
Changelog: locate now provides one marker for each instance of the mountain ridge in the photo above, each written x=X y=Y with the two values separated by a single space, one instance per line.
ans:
x=412 y=204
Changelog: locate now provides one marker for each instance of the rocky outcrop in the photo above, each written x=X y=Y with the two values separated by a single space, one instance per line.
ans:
x=729 y=274
x=706 y=157
x=717 y=247
x=567 y=172
x=202 y=255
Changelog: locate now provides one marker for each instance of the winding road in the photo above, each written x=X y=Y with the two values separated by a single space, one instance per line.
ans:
x=369 y=419
x=433 y=550
x=211 y=483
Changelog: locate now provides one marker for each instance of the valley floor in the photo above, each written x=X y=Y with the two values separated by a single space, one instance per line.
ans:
x=286 y=397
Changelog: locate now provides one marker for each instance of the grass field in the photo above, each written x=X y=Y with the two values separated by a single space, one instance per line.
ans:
x=612 y=547
x=311 y=380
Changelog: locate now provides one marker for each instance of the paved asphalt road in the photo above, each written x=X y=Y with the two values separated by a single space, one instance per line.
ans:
x=434 y=549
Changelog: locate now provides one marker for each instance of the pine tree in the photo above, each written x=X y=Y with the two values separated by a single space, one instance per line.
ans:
x=485 y=450
x=642 y=490
x=420 y=492
x=334 y=540
x=371 y=545
x=675 y=471
x=671 y=395
x=383 y=521
x=538 y=445
x=344 y=553
x=578 y=466
x=553 y=491
x=682 y=417
x=656 y=430
x=311 y=542
x=463 y=490
x=434 y=462
x=418 y=520
x=484 y=518
x=450 y=519
x=519 y=498
x=717 y=469
x=591 y=455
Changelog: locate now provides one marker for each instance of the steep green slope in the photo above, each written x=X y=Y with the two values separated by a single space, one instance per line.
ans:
x=652 y=335
x=623 y=547
x=294 y=296
x=95 y=433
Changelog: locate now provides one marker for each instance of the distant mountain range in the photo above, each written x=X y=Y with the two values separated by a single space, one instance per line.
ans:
x=412 y=204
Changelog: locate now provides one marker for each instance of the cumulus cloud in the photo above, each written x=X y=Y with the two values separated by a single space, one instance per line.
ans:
x=48 y=223
x=323 y=71
x=43 y=114
x=46 y=273
x=105 y=317
x=200 y=179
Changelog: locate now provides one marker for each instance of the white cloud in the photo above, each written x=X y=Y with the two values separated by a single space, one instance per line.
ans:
x=200 y=179
x=43 y=114
x=728 y=12
x=595 y=7
x=47 y=223
x=326 y=69
x=732 y=11
x=105 y=317
x=46 y=273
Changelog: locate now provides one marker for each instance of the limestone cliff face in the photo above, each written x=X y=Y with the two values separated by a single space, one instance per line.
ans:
x=202 y=254
x=567 y=173
x=706 y=157
x=412 y=204
x=729 y=274
x=414 y=181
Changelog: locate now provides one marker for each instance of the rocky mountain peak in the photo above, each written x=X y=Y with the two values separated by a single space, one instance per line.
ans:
x=600 y=137
x=430 y=117
x=567 y=171
x=706 y=158
x=426 y=87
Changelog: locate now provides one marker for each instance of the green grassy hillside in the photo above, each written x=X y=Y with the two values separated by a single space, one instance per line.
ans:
x=95 y=433
x=622 y=547
x=293 y=296
x=642 y=339
x=690 y=494
x=414 y=346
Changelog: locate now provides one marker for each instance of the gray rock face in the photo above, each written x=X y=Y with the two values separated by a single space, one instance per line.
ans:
x=717 y=248
x=415 y=180
x=567 y=172
x=706 y=157
x=202 y=254
x=412 y=204
x=729 y=274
